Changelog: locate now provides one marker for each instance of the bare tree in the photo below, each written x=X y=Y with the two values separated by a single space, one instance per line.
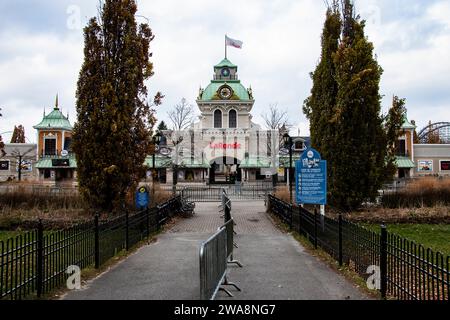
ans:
x=276 y=118
x=182 y=115
x=22 y=159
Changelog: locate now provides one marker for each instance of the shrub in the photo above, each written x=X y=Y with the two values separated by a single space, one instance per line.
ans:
x=423 y=192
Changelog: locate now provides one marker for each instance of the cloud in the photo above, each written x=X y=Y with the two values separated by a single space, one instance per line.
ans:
x=40 y=55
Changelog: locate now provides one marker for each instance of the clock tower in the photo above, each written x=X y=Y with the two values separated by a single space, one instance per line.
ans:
x=225 y=103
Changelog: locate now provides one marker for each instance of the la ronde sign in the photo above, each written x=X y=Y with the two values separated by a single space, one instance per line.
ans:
x=231 y=146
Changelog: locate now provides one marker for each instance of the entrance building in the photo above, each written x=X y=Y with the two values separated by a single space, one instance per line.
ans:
x=224 y=145
x=56 y=163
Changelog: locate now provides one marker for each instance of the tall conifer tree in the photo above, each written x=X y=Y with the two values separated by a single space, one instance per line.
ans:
x=352 y=135
x=113 y=133
x=319 y=107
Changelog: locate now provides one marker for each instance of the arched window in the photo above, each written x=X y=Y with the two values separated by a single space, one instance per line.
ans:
x=232 y=119
x=218 y=119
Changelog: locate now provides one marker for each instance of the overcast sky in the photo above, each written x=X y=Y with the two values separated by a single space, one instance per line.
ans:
x=41 y=52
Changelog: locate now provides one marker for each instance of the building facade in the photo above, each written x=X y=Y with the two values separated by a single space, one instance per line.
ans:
x=224 y=145
x=417 y=160
x=19 y=162
x=55 y=162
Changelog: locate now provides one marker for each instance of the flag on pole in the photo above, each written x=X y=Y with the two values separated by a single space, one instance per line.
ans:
x=233 y=43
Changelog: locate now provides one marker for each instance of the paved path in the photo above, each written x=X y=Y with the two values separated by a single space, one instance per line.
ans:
x=276 y=266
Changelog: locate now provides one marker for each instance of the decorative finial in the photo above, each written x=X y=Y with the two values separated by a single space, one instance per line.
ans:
x=56 y=102
x=44 y=111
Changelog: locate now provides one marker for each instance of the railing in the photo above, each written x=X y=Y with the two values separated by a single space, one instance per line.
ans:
x=230 y=77
x=35 y=263
x=213 y=264
x=235 y=192
x=400 y=268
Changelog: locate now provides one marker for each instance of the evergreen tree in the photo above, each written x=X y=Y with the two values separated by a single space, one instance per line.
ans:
x=162 y=126
x=319 y=107
x=18 y=135
x=345 y=111
x=113 y=133
x=393 y=123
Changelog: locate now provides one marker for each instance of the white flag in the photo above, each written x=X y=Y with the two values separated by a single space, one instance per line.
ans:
x=233 y=43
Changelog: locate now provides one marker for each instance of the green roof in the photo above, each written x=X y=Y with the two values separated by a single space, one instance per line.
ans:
x=404 y=163
x=225 y=63
x=46 y=163
x=54 y=120
x=407 y=124
x=254 y=162
x=240 y=93
x=165 y=162
x=160 y=162
x=284 y=161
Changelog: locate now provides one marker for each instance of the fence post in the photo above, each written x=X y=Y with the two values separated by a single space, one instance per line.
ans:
x=315 y=228
x=147 y=220
x=40 y=259
x=127 y=231
x=383 y=261
x=291 y=213
x=341 y=254
x=300 y=219
x=96 y=242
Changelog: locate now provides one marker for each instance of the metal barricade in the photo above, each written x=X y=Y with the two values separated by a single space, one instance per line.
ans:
x=213 y=264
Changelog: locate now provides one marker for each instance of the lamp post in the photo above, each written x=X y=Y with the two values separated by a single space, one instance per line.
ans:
x=175 y=167
x=288 y=142
x=156 y=142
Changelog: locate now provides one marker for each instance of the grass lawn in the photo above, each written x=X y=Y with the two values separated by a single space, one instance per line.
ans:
x=436 y=237
x=5 y=235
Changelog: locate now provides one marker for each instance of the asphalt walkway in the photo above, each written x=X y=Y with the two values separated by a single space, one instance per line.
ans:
x=276 y=266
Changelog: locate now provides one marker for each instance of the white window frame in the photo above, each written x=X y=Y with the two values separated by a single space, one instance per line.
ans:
x=213 y=118
x=237 y=118
x=49 y=137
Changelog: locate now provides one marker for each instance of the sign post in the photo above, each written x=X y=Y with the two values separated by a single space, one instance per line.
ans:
x=311 y=179
x=142 y=198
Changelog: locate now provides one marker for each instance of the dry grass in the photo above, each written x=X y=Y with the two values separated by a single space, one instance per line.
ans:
x=282 y=193
x=423 y=192
x=424 y=215
x=23 y=206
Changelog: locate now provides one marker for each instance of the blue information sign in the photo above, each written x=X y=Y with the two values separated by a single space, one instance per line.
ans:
x=311 y=178
x=142 y=198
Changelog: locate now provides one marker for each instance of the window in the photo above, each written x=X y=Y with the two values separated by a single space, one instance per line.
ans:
x=400 y=147
x=445 y=165
x=67 y=143
x=49 y=147
x=232 y=119
x=298 y=145
x=217 y=119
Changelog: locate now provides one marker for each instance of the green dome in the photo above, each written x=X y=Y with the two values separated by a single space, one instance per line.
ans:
x=54 y=120
x=225 y=63
x=239 y=91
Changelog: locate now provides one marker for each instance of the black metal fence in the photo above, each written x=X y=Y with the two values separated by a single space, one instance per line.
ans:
x=398 y=267
x=36 y=262
x=235 y=192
